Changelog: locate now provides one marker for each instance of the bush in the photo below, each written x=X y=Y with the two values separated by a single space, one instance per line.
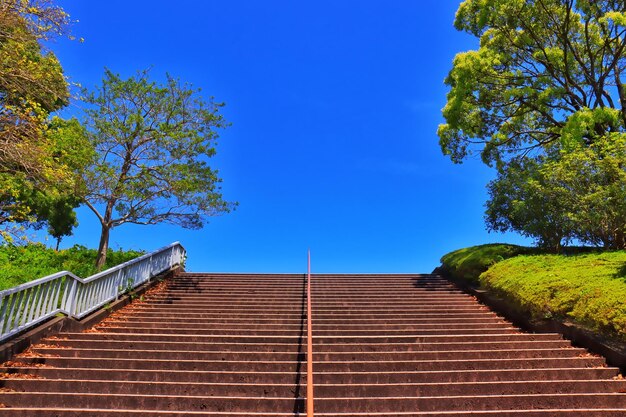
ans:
x=20 y=264
x=587 y=288
x=576 y=194
x=468 y=263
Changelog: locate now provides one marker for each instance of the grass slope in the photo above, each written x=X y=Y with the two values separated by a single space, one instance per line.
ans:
x=20 y=264
x=469 y=263
x=587 y=288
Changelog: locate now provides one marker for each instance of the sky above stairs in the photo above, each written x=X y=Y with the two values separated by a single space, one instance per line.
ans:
x=334 y=106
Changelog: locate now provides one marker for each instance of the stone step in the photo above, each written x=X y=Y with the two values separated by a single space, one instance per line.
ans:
x=323 y=390
x=557 y=345
x=152 y=402
x=319 y=334
x=364 y=340
x=319 y=323
x=319 y=318
x=321 y=366
x=298 y=325
x=179 y=353
x=69 y=412
x=323 y=404
x=160 y=375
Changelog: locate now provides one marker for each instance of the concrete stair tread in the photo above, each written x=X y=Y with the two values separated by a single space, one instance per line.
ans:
x=383 y=345
x=70 y=412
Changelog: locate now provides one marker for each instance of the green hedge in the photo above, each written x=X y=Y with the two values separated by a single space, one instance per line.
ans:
x=20 y=264
x=469 y=263
x=587 y=288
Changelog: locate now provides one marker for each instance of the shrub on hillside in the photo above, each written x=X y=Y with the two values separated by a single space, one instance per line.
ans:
x=20 y=264
x=469 y=263
x=587 y=288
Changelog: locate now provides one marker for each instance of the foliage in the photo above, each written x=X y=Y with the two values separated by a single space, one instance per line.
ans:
x=542 y=100
x=588 y=288
x=469 y=263
x=32 y=85
x=20 y=264
x=28 y=202
x=578 y=194
x=546 y=71
x=152 y=143
x=73 y=150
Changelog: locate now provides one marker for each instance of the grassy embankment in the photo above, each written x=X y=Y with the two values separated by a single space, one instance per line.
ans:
x=587 y=288
x=20 y=264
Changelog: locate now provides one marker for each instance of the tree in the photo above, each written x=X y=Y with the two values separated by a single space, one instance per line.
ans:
x=32 y=85
x=524 y=199
x=152 y=144
x=542 y=66
x=73 y=151
x=37 y=204
x=579 y=193
x=541 y=99
x=595 y=176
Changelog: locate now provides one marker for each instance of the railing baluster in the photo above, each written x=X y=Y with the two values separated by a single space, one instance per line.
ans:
x=29 y=300
x=45 y=288
x=110 y=291
x=30 y=304
x=95 y=293
x=69 y=302
x=81 y=290
x=4 y=302
x=55 y=301
x=89 y=296
x=15 y=311
x=7 y=313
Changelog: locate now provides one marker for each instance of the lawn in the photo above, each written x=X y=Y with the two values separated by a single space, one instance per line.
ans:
x=20 y=264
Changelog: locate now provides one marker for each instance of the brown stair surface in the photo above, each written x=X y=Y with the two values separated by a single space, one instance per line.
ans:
x=233 y=345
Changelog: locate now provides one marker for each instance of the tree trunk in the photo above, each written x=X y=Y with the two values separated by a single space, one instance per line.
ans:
x=103 y=247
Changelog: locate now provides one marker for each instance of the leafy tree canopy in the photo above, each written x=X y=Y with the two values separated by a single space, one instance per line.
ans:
x=542 y=99
x=581 y=194
x=153 y=143
x=32 y=85
x=547 y=73
x=29 y=203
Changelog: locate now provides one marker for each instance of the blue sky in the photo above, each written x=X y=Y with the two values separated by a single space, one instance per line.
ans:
x=334 y=108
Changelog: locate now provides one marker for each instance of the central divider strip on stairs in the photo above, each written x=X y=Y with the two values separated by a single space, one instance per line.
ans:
x=309 y=343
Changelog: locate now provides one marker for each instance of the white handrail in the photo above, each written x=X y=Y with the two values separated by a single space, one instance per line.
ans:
x=29 y=304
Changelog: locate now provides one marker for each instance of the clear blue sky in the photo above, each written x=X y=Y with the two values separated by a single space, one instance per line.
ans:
x=334 y=108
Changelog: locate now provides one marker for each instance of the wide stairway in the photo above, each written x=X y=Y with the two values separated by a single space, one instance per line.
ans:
x=234 y=345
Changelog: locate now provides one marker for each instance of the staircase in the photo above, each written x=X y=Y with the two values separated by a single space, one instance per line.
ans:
x=233 y=345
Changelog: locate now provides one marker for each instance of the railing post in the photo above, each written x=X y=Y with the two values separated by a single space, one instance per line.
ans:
x=309 y=343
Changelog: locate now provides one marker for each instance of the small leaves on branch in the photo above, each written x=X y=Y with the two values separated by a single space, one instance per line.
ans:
x=152 y=143
x=34 y=172
x=543 y=93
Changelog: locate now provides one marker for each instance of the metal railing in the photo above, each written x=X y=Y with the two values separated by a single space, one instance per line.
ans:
x=309 y=342
x=29 y=304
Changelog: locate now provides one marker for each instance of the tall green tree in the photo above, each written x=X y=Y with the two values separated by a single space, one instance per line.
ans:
x=38 y=204
x=542 y=67
x=524 y=198
x=153 y=143
x=32 y=86
x=578 y=194
x=543 y=94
